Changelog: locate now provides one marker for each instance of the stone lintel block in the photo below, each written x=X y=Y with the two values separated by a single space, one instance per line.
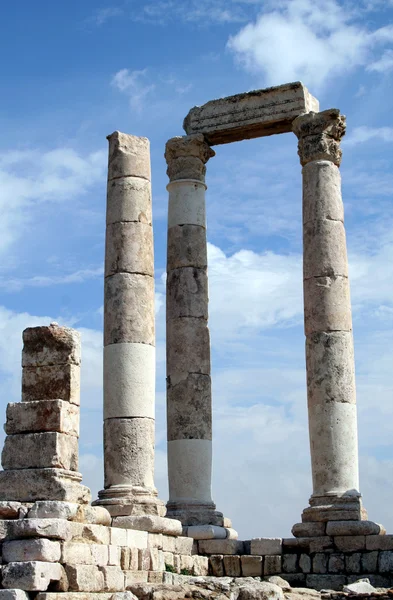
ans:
x=188 y=348
x=43 y=415
x=50 y=346
x=85 y=578
x=186 y=247
x=354 y=528
x=251 y=114
x=30 y=485
x=325 y=582
x=31 y=575
x=322 y=192
x=31 y=549
x=206 y=532
x=129 y=156
x=9 y=510
x=129 y=309
x=216 y=562
x=350 y=543
x=272 y=565
x=129 y=452
x=232 y=566
x=324 y=249
x=129 y=200
x=251 y=566
x=40 y=451
x=262 y=546
x=379 y=542
x=330 y=378
x=221 y=547
x=129 y=249
x=57 y=382
x=187 y=293
x=189 y=408
x=149 y=523
x=14 y=595
x=299 y=544
x=309 y=529
x=327 y=305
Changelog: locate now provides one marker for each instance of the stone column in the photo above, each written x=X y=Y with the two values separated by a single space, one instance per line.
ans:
x=189 y=403
x=129 y=336
x=328 y=322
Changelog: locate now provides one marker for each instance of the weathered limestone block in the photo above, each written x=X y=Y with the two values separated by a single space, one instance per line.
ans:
x=157 y=562
x=216 y=562
x=252 y=566
x=187 y=204
x=187 y=293
x=190 y=464
x=221 y=547
x=137 y=539
x=327 y=304
x=206 y=532
x=325 y=582
x=305 y=563
x=131 y=297
x=44 y=415
x=129 y=200
x=232 y=566
x=295 y=545
x=369 y=562
x=378 y=542
x=85 y=578
x=128 y=249
x=350 y=543
x=113 y=579
x=191 y=419
x=322 y=192
x=186 y=157
x=232 y=534
x=31 y=575
x=353 y=563
x=201 y=566
x=129 y=380
x=272 y=565
x=97 y=534
x=13 y=595
x=29 y=485
x=132 y=577
x=31 y=549
x=155 y=540
x=77 y=596
x=40 y=451
x=129 y=156
x=144 y=559
x=188 y=348
x=320 y=563
x=94 y=515
x=319 y=135
x=184 y=545
x=76 y=553
x=336 y=563
x=40 y=528
x=125 y=438
x=262 y=546
x=50 y=346
x=51 y=383
x=316 y=529
x=118 y=536
x=150 y=523
x=356 y=528
x=325 y=249
x=186 y=247
x=251 y=114
x=290 y=563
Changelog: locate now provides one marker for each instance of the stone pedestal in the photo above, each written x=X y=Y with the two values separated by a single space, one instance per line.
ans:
x=189 y=403
x=328 y=324
x=129 y=336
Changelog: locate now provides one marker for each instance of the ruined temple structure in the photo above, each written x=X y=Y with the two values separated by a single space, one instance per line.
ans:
x=57 y=544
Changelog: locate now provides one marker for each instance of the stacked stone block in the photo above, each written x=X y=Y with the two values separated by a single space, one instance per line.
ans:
x=40 y=454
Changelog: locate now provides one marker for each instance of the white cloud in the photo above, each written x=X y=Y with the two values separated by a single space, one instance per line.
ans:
x=104 y=14
x=363 y=134
x=135 y=84
x=307 y=40
x=383 y=64
x=78 y=276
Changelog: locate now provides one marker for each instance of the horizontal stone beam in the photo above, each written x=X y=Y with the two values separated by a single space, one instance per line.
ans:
x=250 y=115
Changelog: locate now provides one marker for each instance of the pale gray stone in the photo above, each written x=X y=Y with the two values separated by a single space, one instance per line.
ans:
x=232 y=566
x=206 y=532
x=129 y=200
x=188 y=348
x=137 y=539
x=190 y=466
x=191 y=419
x=327 y=304
x=187 y=293
x=251 y=566
x=186 y=157
x=40 y=528
x=187 y=202
x=30 y=575
x=44 y=415
x=324 y=249
x=97 y=534
x=350 y=543
x=184 y=545
x=262 y=546
x=186 y=247
x=76 y=553
x=49 y=346
x=232 y=534
x=84 y=578
x=359 y=587
x=113 y=579
x=129 y=156
x=129 y=452
x=354 y=528
x=13 y=595
x=31 y=550
x=29 y=485
x=94 y=515
x=129 y=309
x=322 y=192
x=129 y=249
x=155 y=540
x=58 y=382
x=220 y=547
x=309 y=529
x=282 y=583
x=40 y=451
x=252 y=114
x=144 y=560
x=272 y=565
x=200 y=566
x=53 y=509
x=150 y=523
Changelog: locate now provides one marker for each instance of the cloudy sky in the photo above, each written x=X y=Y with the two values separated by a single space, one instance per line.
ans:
x=75 y=72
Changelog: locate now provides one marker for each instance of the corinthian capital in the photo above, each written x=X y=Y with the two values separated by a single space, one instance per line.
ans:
x=319 y=136
x=186 y=157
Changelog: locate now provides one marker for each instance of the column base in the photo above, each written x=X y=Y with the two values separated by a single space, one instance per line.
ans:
x=190 y=514
x=124 y=500
x=335 y=507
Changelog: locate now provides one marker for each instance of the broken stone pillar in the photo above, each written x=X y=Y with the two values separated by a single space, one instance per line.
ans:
x=129 y=336
x=328 y=323
x=40 y=454
x=189 y=402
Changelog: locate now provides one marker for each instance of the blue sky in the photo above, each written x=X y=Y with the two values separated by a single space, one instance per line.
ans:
x=75 y=72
